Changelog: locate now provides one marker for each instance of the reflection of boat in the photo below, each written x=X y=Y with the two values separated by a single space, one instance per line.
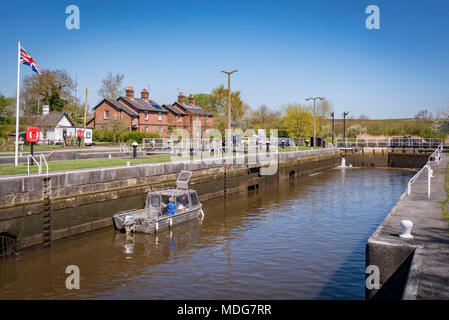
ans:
x=153 y=217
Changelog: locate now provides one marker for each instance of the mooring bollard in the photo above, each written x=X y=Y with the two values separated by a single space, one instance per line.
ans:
x=406 y=226
x=134 y=145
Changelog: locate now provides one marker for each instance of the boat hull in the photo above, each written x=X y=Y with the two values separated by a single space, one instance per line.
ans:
x=139 y=220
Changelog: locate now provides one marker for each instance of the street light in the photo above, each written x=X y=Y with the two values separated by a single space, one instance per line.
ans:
x=229 y=96
x=344 y=125
x=314 y=118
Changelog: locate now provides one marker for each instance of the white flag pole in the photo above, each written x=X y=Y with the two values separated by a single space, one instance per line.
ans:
x=16 y=157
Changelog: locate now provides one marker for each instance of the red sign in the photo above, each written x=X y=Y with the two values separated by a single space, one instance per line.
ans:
x=79 y=133
x=33 y=134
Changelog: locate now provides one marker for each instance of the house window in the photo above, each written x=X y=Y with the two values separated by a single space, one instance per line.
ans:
x=179 y=118
x=197 y=118
x=159 y=116
x=146 y=115
x=115 y=116
x=106 y=114
x=159 y=130
x=146 y=128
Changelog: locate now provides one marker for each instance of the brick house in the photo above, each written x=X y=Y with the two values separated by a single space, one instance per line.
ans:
x=146 y=115
x=193 y=113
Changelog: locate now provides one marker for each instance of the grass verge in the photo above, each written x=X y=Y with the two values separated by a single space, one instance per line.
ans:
x=81 y=164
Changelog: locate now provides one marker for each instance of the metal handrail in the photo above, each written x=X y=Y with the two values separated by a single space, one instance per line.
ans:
x=28 y=164
x=41 y=156
x=413 y=179
x=436 y=155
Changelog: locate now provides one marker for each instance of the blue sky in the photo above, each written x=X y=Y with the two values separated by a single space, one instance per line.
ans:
x=285 y=50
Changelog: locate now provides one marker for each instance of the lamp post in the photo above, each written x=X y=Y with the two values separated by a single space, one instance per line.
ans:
x=333 y=121
x=314 y=118
x=344 y=125
x=229 y=95
x=229 y=102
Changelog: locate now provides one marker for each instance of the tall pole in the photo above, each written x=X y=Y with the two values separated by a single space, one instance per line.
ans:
x=314 y=118
x=229 y=96
x=16 y=154
x=344 y=125
x=85 y=114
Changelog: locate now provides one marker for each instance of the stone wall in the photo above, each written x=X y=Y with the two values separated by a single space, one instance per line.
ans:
x=85 y=200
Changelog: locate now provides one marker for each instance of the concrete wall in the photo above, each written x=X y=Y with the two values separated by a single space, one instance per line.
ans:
x=85 y=200
x=385 y=158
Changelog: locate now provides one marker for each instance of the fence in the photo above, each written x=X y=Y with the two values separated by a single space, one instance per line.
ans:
x=391 y=142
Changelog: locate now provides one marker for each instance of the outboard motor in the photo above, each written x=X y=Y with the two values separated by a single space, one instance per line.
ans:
x=129 y=224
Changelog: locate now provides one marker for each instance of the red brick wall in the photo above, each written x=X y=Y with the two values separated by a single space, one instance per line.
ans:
x=100 y=121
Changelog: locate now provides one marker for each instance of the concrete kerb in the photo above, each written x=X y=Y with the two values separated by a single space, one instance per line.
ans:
x=411 y=287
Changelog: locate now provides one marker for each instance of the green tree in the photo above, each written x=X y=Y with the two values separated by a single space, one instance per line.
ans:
x=111 y=86
x=7 y=106
x=298 y=121
x=355 y=131
x=116 y=127
x=53 y=87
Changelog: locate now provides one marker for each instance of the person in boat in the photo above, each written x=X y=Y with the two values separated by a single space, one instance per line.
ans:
x=170 y=206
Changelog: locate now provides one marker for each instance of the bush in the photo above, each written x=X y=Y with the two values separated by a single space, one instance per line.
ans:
x=6 y=144
x=107 y=135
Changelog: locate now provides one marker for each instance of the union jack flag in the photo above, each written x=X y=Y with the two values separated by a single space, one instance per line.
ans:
x=25 y=58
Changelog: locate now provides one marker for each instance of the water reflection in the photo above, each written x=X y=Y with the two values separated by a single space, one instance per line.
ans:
x=300 y=240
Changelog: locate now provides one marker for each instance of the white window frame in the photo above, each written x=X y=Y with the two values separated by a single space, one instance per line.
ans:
x=159 y=116
x=106 y=114
x=146 y=115
x=179 y=118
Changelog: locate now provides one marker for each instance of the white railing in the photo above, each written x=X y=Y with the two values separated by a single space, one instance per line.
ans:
x=413 y=179
x=124 y=148
x=390 y=142
x=436 y=155
x=42 y=157
x=38 y=163
x=33 y=160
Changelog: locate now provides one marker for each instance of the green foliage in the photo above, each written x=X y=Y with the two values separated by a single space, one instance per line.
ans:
x=107 y=135
x=6 y=144
x=355 y=131
x=298 y=121
x=7 y=106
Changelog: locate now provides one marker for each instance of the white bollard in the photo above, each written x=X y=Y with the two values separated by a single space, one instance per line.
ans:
x=109 y=156
x=406 y=226
x=128 y=163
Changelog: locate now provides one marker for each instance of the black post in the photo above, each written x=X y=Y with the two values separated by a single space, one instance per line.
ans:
x=134 y=145
x=268 y=146
x=32 y=152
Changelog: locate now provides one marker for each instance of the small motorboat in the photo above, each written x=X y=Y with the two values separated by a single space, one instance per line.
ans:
x=153 y=217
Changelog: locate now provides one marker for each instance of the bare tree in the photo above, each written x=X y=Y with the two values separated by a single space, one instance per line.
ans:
x=111 y=86
x=424 y=114
x=363 y=117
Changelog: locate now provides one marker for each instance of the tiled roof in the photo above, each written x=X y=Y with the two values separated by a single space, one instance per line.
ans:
x=50 y=120
x=194 y=109
x=143 y=105
x=121 y=106
x=173 y=109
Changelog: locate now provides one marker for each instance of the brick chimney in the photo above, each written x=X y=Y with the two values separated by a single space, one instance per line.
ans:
x=192 y=99
x=181 y=98
x=130 y=92
x=144 y=94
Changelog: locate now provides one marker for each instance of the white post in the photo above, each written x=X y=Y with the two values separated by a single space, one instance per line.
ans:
x=16 y=154
x=429 y=173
